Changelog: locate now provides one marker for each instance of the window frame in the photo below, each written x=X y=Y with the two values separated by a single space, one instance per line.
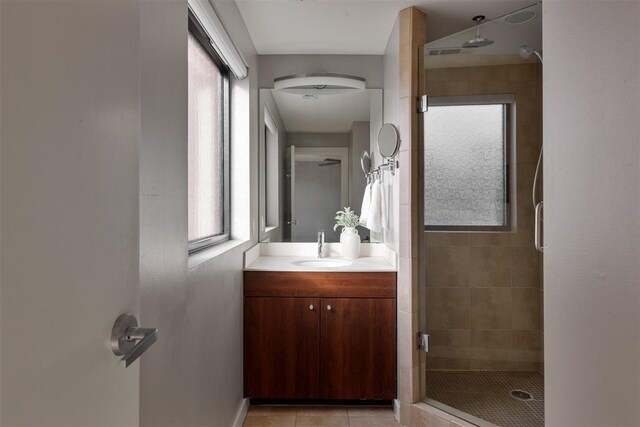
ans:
x=197 y=30
x=270 y=175
x=508 y=101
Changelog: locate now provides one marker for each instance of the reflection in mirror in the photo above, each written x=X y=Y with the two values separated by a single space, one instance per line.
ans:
x=313 y=153
x=365 y=162
x=271 y=136
x=319 y=184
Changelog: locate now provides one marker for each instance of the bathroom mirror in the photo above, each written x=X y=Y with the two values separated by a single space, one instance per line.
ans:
x=312 y=160
x=388 y=141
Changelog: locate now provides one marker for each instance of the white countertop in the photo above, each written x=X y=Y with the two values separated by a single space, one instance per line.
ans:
x=284 y=256
x=288 y=263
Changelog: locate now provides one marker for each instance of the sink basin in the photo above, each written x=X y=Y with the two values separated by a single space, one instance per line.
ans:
x=323 y=263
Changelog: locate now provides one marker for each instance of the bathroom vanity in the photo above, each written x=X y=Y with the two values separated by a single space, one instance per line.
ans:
x=317 y=332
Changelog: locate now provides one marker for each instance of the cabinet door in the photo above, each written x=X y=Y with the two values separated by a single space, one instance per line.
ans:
x=358 y=348
x=281 y=348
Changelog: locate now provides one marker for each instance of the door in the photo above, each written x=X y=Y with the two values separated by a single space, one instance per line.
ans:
x=321 y=189
x=281 y=348
x=358 y=348
x=70 y=133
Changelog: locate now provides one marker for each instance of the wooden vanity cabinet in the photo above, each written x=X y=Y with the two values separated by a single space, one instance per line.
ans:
x=281 y=340
x=358 y=348
x=320 y=335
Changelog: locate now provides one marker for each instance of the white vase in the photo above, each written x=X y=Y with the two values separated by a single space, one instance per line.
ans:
x=350 y=242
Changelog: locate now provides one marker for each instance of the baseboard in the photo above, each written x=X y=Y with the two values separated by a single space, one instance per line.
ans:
x=396 y=409
x=241 y=414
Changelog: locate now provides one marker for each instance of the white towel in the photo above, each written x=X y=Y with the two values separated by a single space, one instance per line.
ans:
x=384 y=222
x=366 y=204
x=374 y=220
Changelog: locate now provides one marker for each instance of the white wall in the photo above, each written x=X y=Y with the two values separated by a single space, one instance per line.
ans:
x=591 y=87
x=391 y=91
x=0 y=214
x=367 y=66
x=193 y=375
x=163 y=201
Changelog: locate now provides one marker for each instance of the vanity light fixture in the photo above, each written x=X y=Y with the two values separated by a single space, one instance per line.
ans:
x=319 y=84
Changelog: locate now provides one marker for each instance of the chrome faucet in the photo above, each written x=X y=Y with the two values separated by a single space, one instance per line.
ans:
x=321 y=244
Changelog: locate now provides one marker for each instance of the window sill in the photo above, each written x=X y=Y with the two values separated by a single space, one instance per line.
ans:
x=200 y=257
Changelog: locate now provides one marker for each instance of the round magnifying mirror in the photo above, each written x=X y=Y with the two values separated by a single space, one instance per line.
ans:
x=365 y=162
x=388 y=141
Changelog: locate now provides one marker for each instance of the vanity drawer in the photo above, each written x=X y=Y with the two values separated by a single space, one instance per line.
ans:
x=319 y=284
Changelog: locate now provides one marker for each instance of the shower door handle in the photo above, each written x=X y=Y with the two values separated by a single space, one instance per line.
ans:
x=537 y=232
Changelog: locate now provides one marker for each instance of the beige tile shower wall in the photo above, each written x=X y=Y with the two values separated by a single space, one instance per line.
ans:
x=484 y=289
x=411 y=36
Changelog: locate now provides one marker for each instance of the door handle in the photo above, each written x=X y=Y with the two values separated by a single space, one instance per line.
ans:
x=537 y=233
x=130 y=341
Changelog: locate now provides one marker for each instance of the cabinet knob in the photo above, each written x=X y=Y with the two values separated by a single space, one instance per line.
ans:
x=329 y=307
x=311 y=307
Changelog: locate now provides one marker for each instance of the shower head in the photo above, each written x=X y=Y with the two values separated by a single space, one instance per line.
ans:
x=477 y=41
x=526 y=51
x=329 y=162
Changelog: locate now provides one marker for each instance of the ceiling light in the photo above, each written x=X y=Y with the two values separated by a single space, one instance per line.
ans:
x=319 y=84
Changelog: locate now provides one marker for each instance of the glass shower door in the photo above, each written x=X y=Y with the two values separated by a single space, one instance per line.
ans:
x=481 y=298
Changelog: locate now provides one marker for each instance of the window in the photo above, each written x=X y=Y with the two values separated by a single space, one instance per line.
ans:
x=271 y=175
x=466 y=163
x=208 y=142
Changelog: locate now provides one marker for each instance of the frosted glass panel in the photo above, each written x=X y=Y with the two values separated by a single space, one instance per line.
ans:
x=464 y=168
x=205 y=144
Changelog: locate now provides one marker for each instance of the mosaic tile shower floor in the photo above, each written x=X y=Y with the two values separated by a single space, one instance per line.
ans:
x=487 y=395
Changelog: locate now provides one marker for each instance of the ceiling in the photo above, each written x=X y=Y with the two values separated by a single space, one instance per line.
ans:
x=328 y=113
x=354 y=26
x=507 y=38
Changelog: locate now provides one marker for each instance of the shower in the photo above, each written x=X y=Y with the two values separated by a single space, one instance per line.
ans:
x=525 y=52
x=478 y=41
x=482 y=300
x=329 y=162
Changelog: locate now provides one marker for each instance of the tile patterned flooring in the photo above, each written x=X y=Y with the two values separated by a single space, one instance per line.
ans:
x=325 y=416
x=487 y=395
